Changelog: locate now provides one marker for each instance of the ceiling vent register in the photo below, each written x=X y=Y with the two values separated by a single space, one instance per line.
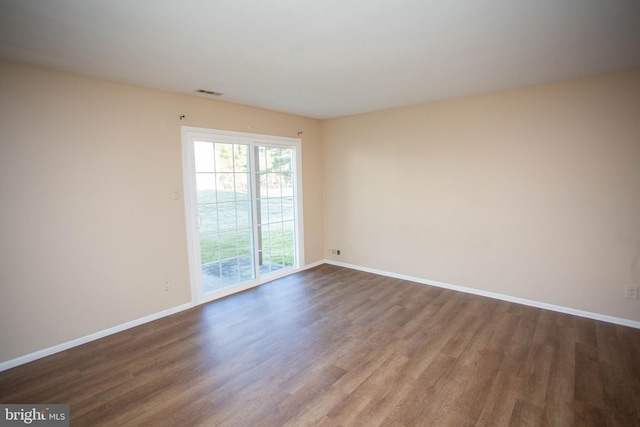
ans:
x=209 y=92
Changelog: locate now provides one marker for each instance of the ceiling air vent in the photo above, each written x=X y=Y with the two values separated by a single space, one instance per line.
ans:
x=209 y=92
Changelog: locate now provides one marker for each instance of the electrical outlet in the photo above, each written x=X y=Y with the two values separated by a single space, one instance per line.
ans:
x=167 y=285
x=335 y=251
x=631 y=292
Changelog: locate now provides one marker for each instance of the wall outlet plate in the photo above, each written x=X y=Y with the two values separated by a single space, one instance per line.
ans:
x=631 y=292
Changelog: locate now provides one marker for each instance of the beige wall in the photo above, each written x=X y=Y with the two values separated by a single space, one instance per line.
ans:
x=88 y=228
x=531 y=193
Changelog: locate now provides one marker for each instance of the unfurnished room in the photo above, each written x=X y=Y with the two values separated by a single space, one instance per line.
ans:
x=320 y=213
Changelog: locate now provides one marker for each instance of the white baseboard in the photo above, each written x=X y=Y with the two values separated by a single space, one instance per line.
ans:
x=314 y=264
x=531 y=303
x=91 y=337
x=106 y=332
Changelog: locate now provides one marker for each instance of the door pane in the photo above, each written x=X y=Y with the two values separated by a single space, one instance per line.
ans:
x=276 y=208
x=224 y=209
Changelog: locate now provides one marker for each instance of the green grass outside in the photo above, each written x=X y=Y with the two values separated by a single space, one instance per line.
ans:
x=225 y=230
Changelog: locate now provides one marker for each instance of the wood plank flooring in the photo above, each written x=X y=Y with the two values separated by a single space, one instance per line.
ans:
x=332 y=346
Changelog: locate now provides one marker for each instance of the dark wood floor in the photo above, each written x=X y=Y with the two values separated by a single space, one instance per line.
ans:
x=332 y=346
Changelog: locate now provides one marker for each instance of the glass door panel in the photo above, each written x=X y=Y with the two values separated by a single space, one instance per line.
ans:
x=224 y=213
x=274 y=177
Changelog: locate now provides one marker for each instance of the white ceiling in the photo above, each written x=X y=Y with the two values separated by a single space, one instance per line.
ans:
x=326 y=58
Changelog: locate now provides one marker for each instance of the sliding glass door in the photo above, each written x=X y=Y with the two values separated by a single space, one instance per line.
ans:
x=243 y=208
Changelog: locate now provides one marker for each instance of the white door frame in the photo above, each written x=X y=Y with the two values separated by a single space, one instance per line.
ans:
x=189 y=134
